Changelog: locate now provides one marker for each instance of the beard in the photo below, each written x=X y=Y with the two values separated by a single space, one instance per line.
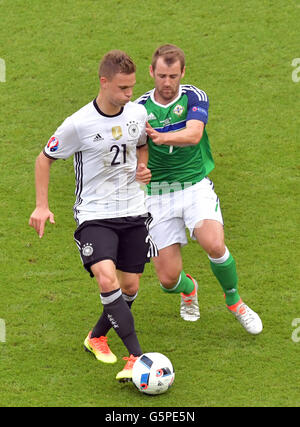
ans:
x=167 y=94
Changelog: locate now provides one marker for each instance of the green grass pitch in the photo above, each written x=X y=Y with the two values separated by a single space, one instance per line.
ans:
x=241 y=54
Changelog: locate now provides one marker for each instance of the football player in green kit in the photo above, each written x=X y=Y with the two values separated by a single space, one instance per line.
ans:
x=180 y=194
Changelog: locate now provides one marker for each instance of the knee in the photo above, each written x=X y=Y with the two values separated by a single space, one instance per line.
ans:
x=169 y=279
x=106 y=278
x=130 y=287
x=107 y=282
x=216 y=249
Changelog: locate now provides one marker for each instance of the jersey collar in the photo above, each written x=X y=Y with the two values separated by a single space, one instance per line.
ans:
x=106 y=115
x=167 y=105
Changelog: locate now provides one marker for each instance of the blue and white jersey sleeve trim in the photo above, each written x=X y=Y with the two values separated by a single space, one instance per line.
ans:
x=198 y=103
x=142 y=99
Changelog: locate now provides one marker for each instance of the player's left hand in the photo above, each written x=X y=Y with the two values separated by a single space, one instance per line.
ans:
x=143 y=174
x=157 y=137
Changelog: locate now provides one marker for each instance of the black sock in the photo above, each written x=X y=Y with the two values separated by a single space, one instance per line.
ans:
x=129 y=299
x=121 y=319
x=103 y=325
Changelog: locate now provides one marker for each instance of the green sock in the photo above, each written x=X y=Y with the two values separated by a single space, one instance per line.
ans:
x=228 y=279
x=184 y=285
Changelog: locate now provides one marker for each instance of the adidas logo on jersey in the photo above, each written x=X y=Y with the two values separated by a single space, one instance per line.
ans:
x=151 y=116
x=98 y=137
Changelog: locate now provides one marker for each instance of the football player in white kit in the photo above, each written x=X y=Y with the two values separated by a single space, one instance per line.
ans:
x=108 y=141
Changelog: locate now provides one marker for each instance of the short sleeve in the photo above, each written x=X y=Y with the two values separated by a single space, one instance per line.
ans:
x=143 y=136
x=198 y=104
x=64 y=142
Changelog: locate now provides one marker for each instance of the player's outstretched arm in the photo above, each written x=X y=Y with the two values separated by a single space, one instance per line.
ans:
x=42 y=213
x=191 y=135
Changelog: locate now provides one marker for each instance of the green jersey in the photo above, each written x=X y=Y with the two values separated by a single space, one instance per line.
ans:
x=172 y=167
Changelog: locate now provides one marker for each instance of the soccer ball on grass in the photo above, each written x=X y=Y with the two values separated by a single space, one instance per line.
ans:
x=153 y=373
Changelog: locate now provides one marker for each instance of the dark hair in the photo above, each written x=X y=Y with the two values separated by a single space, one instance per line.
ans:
x=116 y=61
x=170 y=54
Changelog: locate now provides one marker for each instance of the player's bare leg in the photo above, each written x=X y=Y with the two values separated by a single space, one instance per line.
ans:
x=168 y=267
x=210 y=235
x=129 y=283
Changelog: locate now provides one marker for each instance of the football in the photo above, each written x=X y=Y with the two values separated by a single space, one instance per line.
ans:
x=153 y=373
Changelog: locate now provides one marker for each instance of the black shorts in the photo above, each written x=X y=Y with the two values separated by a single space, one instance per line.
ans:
x=125 y=241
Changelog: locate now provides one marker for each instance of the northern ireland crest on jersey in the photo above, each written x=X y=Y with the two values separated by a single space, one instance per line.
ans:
x=133 y=129
x=117 y=132
x=178 y=109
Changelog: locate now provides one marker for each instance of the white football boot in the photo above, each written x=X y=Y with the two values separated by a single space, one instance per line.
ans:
x=189 y=307
x=247 y=317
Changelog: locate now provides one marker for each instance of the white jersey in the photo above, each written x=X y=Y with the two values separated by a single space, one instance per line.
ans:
x=104 y=149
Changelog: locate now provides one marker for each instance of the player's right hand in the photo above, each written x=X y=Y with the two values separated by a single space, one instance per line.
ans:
x=38 y=219
x=159 y=138
x=143 y=174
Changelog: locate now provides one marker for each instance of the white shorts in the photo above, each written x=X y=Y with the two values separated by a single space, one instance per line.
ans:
x=174 y=212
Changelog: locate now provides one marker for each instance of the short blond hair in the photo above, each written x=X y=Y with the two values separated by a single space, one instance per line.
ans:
x=114 y=62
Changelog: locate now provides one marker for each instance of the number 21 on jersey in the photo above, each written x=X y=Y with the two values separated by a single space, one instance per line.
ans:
x=119 y=154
